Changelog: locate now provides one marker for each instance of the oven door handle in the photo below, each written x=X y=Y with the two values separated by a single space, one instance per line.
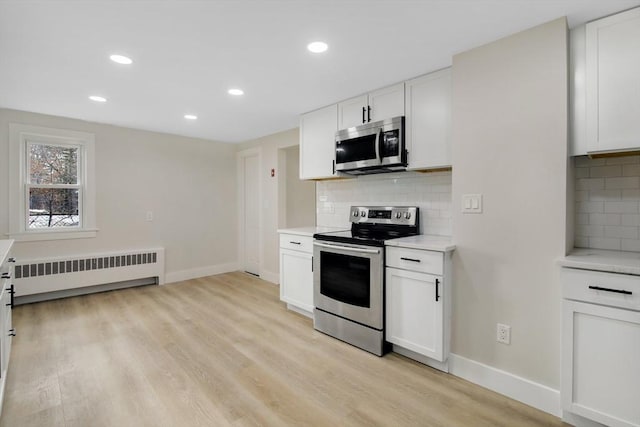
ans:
x=348 y=248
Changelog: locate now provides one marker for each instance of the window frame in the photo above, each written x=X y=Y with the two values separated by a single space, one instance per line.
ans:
x=21 y=136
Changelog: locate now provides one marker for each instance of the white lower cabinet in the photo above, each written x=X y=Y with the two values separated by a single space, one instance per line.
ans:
x=418 y=301
x=6 y=305
x=601 y=347
x=296 y=272
x=415 y=314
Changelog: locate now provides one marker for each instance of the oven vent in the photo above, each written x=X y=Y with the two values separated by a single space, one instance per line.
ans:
x=56 y=274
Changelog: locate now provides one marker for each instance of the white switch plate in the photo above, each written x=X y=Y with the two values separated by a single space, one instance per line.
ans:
x=472 y=203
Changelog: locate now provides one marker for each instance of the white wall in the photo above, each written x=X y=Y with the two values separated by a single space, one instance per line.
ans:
x=431 y=192
x=272 y=209
x=300 y=195
x=187 y=183
x=607 y=195
x=510 y=145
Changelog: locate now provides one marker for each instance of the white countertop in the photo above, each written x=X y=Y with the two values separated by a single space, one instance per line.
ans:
x=603 y=260
x=5 y=246
x=308 y=231
x=425 y=242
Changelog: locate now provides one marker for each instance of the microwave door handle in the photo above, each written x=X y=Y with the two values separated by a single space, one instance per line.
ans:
x=378 y=146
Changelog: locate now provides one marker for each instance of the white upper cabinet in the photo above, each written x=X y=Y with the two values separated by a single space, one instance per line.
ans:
x=613 y=83
x=317 y=143
x=381 y=104
x=428 y=120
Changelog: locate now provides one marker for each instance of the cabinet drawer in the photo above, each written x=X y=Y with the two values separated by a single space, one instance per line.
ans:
x=415 y=260
x=296 y=242
x=616 y=290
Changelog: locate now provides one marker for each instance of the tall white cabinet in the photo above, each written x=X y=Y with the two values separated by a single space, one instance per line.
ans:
x=317 y=143
x=612 y=83
x=428 y=120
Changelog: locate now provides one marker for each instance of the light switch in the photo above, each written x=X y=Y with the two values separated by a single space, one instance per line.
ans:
x=472 y=203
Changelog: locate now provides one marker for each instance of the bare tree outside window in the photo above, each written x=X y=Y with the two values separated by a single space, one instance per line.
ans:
x=54 y=187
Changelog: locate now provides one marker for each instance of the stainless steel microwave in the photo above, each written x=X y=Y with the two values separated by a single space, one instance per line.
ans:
x=372 y=148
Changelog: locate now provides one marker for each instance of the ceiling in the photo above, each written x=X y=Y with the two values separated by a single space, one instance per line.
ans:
x=187 y=54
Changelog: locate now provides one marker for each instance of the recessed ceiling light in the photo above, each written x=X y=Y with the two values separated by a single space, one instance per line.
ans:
x=98 y=98
x=190 y=117
x=235 y=92
x=317 y=47
x=121 y=59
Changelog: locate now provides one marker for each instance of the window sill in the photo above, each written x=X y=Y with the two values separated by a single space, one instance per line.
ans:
x=86 y=233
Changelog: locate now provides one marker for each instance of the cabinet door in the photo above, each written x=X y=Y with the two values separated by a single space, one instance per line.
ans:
x=317 y=143
x=353 y=112
x=296 y=279
x=415 y=320
x=613 y=86
x=5 y=338
x=387 y=102
x=600 y=369
x=428 y=120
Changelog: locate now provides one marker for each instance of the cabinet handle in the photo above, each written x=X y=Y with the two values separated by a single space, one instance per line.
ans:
x=12 y=332
x=617 y=291
x=410 y=259
x=12 y=292
x=6 y=276
x=368 y=113
x=11 y=259
x=312 y=264
x=334 y=167
x=295 y=243
x=437 y=283
x=363 y=112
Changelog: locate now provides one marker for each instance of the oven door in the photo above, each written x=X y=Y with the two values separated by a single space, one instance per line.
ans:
x=348 y=281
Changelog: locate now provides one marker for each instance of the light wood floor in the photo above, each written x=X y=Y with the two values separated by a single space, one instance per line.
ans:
x=221 y=351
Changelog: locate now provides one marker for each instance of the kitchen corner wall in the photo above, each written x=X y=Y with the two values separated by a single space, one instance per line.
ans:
x=607 y=195
x=188 y=184
x=272 y=156
x=509 y=143
x=431 y=192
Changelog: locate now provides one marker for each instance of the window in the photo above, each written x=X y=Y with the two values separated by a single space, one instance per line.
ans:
x=51 y=195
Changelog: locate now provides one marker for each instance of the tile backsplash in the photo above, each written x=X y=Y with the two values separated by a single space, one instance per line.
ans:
x=607 y=195
x=431 y=192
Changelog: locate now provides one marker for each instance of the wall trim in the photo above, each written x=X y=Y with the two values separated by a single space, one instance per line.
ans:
x=523 y=390
x=270 y=276
x=195 y=273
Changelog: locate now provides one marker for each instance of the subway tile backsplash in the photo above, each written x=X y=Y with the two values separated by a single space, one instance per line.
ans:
x=607 y=196
x=431 y=192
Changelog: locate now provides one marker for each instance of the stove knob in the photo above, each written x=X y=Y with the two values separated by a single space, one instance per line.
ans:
x=407 y=215
x=398 y=215
x=363 y=214
x=355 y=213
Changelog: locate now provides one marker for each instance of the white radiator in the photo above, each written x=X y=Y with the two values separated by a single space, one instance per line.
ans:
x=73 y=272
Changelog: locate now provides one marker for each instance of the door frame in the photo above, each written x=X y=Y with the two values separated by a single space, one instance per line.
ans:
x=240 y=157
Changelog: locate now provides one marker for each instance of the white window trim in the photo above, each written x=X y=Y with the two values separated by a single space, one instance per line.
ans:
x=19 y=134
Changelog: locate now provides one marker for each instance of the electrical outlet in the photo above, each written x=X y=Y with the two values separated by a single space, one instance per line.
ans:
x=503 y=334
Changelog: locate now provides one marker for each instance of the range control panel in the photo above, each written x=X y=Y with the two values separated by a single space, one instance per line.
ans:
x=402 y=215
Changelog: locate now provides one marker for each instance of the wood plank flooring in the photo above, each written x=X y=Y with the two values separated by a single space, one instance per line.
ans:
x=221 y=351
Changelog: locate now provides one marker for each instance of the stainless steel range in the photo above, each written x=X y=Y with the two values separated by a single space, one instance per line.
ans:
x=348 y=274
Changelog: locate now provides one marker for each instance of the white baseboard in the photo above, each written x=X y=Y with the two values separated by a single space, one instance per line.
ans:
x=270 y=276
x=194 y=273
x=528 y=392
